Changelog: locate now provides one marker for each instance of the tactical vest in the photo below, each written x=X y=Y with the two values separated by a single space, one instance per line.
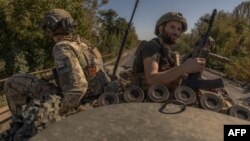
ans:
x=167 y=60
x=92 y=65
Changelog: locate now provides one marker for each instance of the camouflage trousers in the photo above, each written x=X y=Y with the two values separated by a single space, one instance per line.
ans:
x=34 y=104
x=21 y=85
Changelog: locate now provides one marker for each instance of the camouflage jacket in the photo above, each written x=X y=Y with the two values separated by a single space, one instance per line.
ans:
x=79 y=69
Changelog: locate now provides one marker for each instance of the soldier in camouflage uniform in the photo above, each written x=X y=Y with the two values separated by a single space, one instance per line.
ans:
x=79 y=65
x=21 y=85
x=34 y=104
x=157 y=62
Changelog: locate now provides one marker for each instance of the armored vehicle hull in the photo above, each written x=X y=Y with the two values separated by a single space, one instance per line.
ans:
x=140 y=121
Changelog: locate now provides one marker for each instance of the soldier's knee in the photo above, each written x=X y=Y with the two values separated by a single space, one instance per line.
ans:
x=17 y=87
x=71 y=100
x=20 y=83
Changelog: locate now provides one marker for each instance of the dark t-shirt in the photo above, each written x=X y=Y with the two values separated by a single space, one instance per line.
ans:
x=153 y=49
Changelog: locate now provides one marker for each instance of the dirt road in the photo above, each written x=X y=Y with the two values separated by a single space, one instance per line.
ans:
x=236 y=91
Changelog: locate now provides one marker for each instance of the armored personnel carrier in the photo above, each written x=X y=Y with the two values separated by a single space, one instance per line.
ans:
x=126 y=111
x=140 y=121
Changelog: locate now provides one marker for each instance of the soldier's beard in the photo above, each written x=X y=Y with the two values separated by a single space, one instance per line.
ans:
x=167 y=39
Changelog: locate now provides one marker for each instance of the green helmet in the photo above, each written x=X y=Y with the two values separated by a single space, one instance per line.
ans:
x=171 y=16
x=58 y=18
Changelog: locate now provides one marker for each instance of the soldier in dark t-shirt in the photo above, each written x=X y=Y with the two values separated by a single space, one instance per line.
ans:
x=162 y=55
x=154 y=58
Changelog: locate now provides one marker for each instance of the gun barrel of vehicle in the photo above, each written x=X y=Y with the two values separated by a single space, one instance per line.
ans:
x=219 y=58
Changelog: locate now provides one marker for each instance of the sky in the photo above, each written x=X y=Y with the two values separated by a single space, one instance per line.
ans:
x=148 y=11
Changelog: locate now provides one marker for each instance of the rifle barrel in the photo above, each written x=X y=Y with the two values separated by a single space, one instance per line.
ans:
x=219 y=58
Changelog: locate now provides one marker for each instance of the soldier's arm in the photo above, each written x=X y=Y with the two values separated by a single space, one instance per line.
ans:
x=70 y=74
x=153 y=76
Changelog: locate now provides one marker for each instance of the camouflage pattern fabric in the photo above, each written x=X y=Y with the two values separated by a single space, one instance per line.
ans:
x=133 y=78
x=71 y=77
x=73 y=60
x=34 y=105
x=18 y=86
x=32 y=117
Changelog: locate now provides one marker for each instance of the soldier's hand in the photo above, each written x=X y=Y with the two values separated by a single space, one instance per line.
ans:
x=193 y=65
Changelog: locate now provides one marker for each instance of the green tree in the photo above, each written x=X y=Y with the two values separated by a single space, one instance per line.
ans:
x=112 y=32
x=242 y=11
x=232 y=35
x=24 y=46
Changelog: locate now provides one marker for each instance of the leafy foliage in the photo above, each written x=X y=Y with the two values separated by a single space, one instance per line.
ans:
x=112 y=32
x=231 y=32
x=25 y=47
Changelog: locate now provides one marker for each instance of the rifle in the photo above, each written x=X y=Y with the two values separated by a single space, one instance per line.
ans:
x=194 y=80
x=219 y=58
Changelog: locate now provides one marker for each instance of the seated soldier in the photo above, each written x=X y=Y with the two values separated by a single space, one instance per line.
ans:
x=155 y=59
x=79 y=66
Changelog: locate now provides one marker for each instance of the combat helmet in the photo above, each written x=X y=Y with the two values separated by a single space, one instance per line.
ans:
x=58 y=19
x=171 y=16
